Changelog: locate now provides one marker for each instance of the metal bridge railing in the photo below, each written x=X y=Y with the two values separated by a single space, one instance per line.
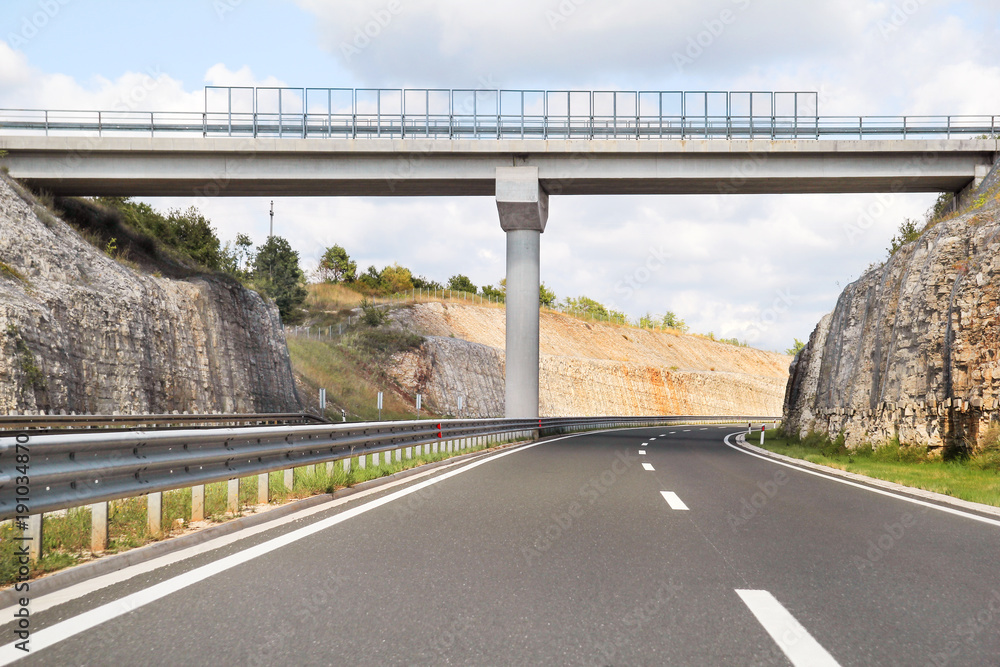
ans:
x=485 y=127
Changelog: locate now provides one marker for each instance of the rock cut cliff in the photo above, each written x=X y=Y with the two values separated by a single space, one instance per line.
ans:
x=81 y=332
x=912 y=349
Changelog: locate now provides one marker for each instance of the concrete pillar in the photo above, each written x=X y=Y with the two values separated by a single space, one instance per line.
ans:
x=524 y=209
x=198 y=503
x=35 y=525
x=99 y=527
x=263 y=488
x=154 y=513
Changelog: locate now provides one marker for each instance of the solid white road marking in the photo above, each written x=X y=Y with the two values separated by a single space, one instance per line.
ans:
x=798 y=645
x=672 y=500
x=923 y=503
x=642 y=452
x=42 y=639
x=647 y=466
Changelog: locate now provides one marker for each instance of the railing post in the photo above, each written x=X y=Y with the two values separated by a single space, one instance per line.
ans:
x=263 y=488
x=35 y=527
x=154 y=513
x=289 y=478
x=99 y=527
x=233 y=496
x=198 y=503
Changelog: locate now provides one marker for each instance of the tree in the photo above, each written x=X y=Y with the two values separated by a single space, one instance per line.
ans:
x=461 y=283
x=671 y=321
x=546 y=297
x=336 y=266
x=276 y=269
x=907 y=232
x=238 y=260
x=424 y=283
x=193 y=233
x=796 y=347
x=493 y=293
x=395 y=279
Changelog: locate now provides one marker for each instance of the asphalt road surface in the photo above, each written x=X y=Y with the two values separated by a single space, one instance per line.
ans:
x=661 y=546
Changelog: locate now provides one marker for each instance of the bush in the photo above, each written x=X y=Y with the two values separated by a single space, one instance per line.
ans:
x=372 y=315
x=386 y=342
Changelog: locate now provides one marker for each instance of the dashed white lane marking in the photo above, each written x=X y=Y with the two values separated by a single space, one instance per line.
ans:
x=673 y=433
x=703 y=429
x=644 y=444
x=647 y=466
x=687 y=430
x=642 y=452
x=672 y=500
x=794 y=640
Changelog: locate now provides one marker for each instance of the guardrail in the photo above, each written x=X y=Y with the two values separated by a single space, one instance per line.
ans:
x=81 y=422
x=484 y=127
x=42 y=473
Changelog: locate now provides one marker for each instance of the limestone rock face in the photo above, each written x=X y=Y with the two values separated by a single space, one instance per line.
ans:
x=585 y=368
x=81 y=332
x=912 y=349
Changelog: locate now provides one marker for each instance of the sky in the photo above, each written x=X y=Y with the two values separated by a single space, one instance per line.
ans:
x=760 y=268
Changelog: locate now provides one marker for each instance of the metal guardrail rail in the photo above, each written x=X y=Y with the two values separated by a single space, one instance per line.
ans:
x=46 y=472
x=28 y=423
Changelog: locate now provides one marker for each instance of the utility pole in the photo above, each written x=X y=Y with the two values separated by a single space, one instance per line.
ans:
x=271 y=233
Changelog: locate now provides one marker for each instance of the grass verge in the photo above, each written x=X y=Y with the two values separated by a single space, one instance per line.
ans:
x=66 y=536
x=973 y=479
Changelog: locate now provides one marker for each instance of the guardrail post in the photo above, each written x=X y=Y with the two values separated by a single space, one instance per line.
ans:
x=289 y=478
x=375 y=460
x=35 y=527
x=99 y=527
x=363 y=461
x=154 y=513
x=198 y=503
x=409 y=453
x=347 y=466
x=264 y=488
x=399 y=456
x=233 y=496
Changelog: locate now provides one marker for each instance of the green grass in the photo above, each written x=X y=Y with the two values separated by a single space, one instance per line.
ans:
x=352 y=379
x=976 y=479
x=66 y=537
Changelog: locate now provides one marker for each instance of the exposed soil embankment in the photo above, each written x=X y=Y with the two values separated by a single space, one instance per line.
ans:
x=585 y=368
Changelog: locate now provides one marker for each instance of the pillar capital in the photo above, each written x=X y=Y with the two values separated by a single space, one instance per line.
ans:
x=521 y=201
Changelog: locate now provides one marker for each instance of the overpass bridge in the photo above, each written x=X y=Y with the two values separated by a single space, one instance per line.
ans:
x=520 y=146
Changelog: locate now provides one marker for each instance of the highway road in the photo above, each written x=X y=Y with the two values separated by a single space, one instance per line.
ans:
x=663 y=546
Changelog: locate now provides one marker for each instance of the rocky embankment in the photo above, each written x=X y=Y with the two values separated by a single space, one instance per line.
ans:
x=81 y=332
x=912 y=349
x=585 y=368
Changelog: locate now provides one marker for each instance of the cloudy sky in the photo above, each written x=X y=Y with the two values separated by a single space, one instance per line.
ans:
x=760 y=268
